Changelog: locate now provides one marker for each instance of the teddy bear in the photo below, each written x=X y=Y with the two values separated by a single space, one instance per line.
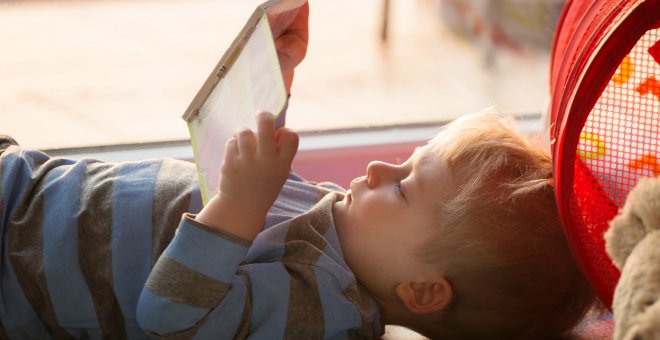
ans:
x=632 y=241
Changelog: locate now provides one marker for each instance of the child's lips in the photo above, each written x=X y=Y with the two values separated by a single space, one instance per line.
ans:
x=355 y=183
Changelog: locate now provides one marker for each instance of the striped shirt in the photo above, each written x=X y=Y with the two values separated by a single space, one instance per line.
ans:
x=100 y=250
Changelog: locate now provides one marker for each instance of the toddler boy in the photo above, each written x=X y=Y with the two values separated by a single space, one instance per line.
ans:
x=460 y=241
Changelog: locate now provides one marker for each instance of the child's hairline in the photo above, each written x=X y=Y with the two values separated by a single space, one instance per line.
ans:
x=444 y=145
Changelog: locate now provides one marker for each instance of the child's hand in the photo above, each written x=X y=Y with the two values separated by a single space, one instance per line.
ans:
x=253 y=171
x=292 y=45
x=256 y=165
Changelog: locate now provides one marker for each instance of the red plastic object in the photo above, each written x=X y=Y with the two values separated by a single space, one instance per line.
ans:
x=605 y=120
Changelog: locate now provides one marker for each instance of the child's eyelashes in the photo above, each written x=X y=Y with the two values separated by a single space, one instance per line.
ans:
x=398 y=190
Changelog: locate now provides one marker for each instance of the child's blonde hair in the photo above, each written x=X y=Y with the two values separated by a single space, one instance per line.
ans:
x=500 y=242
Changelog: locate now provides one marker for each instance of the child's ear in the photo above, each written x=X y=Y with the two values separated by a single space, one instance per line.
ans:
x=425 y=297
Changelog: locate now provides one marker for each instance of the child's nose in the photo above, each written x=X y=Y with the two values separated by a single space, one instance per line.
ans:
x=378 y=171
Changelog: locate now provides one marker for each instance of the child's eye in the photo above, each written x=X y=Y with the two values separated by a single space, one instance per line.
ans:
x=398 y=190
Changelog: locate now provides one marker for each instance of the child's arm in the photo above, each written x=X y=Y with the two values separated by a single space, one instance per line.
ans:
x=196 y=279
x=253 y=172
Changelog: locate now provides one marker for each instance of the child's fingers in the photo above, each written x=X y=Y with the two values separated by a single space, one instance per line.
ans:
x=292 y=45
x=291 y=50
x=229 y=158
x=231 y=147
x=288 y=144
x=300 y=25
x=266 y=132
x=247 y=142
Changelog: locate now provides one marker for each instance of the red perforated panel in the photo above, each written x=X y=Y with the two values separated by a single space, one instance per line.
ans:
x=605 y=121
x=618 y=145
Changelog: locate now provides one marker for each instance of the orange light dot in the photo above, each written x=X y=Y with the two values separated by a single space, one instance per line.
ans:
x=624 y=72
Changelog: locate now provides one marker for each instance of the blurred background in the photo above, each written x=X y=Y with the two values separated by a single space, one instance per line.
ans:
x=95 y=73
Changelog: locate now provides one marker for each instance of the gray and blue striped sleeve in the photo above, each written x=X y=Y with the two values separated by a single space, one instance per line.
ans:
x=79 y=239
x=195 y=274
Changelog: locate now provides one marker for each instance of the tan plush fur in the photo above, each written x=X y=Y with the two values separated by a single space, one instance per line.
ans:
x=633 y=243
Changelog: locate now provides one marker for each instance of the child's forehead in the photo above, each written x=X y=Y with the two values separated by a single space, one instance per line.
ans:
x=418 y=153
x=424 y=156
x=432 y=148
